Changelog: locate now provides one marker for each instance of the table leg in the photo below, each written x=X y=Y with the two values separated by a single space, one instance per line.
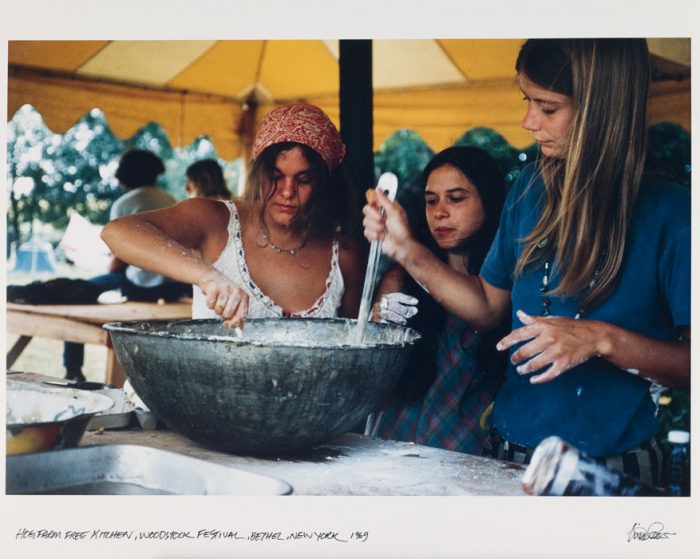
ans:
x=17 y=349
x=114 y=374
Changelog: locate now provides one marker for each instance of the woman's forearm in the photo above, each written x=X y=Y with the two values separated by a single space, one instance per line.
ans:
x=556 y=344
x=138 y=242
x=116 y=265
x=392 y=281
x=463 y=295
x=466 y=296
x=666 y=362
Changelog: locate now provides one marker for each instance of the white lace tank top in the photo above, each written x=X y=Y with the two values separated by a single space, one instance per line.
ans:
x=232 y=263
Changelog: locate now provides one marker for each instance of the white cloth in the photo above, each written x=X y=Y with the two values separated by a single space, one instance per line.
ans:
x=232 y=263
x=134 y=201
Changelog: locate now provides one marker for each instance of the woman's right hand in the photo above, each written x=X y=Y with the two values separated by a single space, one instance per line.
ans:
x=226 y=299
x=391 y=227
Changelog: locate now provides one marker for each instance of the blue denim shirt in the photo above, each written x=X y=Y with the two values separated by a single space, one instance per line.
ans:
x=596 y=407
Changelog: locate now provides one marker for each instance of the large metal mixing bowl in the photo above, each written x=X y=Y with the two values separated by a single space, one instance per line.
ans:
x=286 y=384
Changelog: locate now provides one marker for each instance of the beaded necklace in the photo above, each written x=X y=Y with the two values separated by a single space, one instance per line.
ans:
x=543 y=289
x=265 y=232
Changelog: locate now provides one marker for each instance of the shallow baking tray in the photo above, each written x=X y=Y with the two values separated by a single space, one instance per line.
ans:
x=130 y=470
x=118 y=416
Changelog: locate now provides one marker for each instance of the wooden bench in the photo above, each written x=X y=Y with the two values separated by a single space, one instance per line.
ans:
x=83 y=324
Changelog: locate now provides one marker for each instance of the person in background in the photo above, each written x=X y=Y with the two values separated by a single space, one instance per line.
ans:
x=205 y=179
x=455 y=371
x=279 y=250
x=137 y=173
x=592 y=255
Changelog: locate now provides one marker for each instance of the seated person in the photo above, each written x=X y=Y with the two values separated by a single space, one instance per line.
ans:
x=205 y=179
x=137 y=174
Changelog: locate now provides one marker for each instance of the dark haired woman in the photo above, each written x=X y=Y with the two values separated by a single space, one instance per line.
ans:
x=205 y=179
x=593 y=256
x=277 y=251
x=456 y=371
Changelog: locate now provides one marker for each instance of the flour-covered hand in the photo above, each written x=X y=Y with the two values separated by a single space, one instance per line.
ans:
x=553 y=343
x=397 y=308
x=226 y=299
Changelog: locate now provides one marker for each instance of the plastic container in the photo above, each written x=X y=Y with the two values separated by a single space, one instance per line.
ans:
x=559 y=469
x=678 y=464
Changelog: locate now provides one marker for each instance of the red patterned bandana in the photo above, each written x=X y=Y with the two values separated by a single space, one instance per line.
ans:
x=304 y=124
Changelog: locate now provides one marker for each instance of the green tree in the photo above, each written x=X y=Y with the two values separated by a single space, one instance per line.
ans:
x=84 y=165
x=153 y=138
x=51 y=174
x=669 y=151
x=510 y=159
x=29 y=144
x=176 y=166
x=405 y=154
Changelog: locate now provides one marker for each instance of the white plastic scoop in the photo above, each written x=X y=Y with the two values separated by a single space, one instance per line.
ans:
x=388 y=184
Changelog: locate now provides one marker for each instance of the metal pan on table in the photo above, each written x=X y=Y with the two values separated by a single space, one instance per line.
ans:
x=40 y=418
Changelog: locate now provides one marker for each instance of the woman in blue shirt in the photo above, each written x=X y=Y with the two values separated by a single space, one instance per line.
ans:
x=593 y=256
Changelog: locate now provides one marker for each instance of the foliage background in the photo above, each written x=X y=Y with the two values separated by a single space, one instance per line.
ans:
x=51 y=175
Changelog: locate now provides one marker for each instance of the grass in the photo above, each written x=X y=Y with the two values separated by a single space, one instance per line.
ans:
x=43 y=355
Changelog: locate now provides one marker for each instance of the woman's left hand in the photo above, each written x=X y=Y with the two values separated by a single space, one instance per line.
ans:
x=554 y=342
x=396 y=308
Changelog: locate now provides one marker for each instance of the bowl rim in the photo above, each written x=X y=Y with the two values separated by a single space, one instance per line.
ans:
x=92 y=402
x=411 y=336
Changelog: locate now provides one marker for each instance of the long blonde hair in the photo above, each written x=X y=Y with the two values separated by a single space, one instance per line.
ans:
x=591 y=193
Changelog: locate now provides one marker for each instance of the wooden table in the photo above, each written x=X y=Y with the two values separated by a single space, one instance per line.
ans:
x=83 y=324
x=352 y=464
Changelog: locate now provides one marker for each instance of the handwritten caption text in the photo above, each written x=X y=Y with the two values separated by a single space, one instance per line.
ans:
x=203 y=534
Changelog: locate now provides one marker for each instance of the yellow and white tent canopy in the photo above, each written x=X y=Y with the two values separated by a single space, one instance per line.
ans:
x=439 y=88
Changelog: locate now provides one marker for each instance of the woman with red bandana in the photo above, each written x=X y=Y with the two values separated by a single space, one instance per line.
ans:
x=277 y=251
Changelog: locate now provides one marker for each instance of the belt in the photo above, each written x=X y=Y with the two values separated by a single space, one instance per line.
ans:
x=507 y=450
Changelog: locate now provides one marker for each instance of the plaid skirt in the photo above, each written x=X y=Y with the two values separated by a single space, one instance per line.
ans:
x=449 y=415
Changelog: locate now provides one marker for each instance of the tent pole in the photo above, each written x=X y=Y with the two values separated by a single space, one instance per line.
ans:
x=246 y=133
x=356 y=114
